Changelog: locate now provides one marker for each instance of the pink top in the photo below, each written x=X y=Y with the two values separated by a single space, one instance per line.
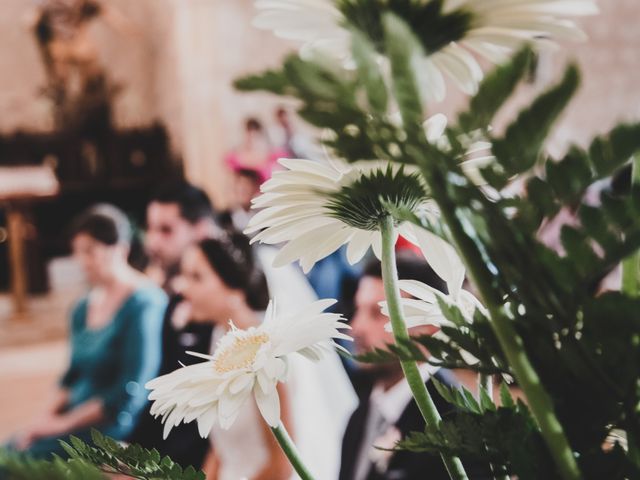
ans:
x=234 y=162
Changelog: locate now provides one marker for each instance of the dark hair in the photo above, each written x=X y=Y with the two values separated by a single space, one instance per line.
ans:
x=231 y=256
x=253 y=124
x=250 y=174
x=105 y=223
x=193 y=202
x=411 y=266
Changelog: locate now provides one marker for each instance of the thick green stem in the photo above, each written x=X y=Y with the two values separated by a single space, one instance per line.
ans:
x=400 y=332
x=539 y=401
x=631 y=286
x=291 y=452
x=631 y=265
x=513 y=346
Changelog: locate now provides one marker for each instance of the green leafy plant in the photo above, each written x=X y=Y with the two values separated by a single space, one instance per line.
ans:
x=131 y=460
x=574 y=352
x=14 y=467
x=89 y=462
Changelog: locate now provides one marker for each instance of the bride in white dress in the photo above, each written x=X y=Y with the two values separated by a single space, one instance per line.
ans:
x=221 y=282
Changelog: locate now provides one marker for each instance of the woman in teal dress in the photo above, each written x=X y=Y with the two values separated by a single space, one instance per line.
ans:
x=115 y=342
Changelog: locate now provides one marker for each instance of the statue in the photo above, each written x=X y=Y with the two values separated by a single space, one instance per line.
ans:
x=76 y=81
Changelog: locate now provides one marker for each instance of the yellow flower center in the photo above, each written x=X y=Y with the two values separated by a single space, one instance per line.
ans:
x=240 y=353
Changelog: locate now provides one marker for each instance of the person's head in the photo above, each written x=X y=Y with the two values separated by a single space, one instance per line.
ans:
x=100 y=240
x=217 y=274
x=246 y=186
x=178 y=215
x=368 y=322
x=282 y=117
x=255 y=133
x=253 y=125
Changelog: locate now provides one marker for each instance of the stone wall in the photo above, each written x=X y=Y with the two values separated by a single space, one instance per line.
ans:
x=178 y=64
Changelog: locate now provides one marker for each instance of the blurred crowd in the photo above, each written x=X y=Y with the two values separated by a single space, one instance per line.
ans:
x=133 y=325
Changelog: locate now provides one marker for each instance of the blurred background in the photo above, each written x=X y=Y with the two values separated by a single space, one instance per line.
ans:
x=103 y=104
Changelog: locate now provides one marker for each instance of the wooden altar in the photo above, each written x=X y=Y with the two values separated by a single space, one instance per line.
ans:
x=20 y=186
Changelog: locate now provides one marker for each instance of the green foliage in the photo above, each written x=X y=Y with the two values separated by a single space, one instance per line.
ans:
x=520 y=147
x=584 y=346
x=131 y=460
x=96 y=462
x=434 y=28
x=494 y=91
x=507 y=437
x=347 y=108
x=404 y=55
x=369 y=73
x=21 y=467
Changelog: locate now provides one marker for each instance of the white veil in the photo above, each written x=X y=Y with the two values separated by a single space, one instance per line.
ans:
x=322 y=397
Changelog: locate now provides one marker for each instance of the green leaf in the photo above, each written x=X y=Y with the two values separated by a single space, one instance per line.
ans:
x=506 y=399
x=518 y=150
x=435 y=26
x=369 y=73
x=132 y=460
x=570 y=177
x=486 y=403
x=494 y=91
x=405 y=54
x=610 y=152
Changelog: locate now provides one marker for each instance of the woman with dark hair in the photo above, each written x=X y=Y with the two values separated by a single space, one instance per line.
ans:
x=221 y=282
x=115 y=341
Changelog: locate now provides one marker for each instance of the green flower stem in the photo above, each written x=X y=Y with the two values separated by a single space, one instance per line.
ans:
x=631 y=265
x=400 y=332
x=290 y=450
x=511 y=342
x=631 y=286
x=485 y=382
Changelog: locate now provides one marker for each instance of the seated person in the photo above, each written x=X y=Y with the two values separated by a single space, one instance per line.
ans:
x=255 y=152
x=387 y=411
x=221 y=281
x=246 y=185
x=115 y=342
x=178 y=215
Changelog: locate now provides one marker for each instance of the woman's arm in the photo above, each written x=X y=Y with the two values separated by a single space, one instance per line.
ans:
x=57 y=401
x=57 y=425
x=140 y=360
x=278 y=466
x=211 y=465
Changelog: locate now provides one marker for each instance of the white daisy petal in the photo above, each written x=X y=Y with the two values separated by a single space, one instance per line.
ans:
x=419 y=290
x=269 y=406
x=206 y=421
x=376 y=245
x=241 y=383
x=443 y=258
x=358 y=245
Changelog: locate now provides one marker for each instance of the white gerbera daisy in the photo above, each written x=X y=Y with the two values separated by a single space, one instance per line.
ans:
x=245 y=363
x=315 y=208
x=423 y=308
x=490 y=28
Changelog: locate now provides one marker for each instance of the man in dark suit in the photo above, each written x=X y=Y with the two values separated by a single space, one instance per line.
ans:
x=178 y=215
x=387 y=411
